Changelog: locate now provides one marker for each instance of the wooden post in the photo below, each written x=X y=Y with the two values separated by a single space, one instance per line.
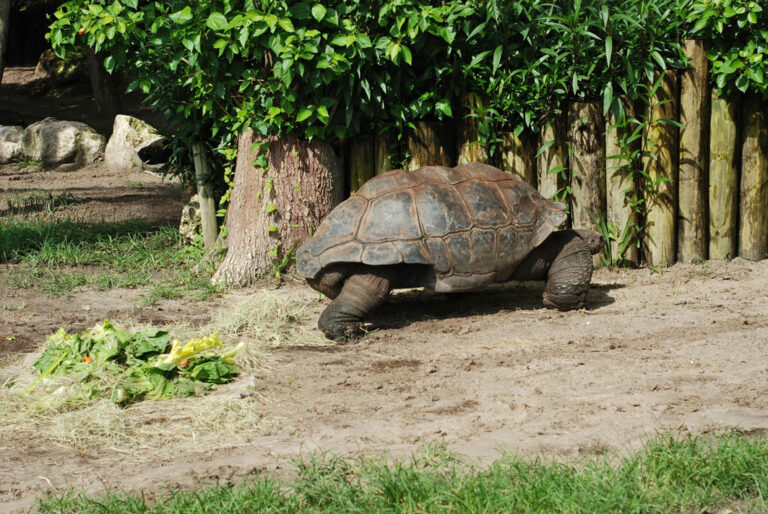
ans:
x=518 y=155
x=469 y=149
x=361 y=161
x=753 y=212
x=432 y=144
x=660 y=165
x=205 y=196
x=550 y=163
x=694 y=155
x=586 y=127
x=723 y=177
x=382 y=160
x=621 y=186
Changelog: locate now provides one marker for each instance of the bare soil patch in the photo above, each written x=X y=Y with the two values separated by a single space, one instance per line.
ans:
x=485 y=372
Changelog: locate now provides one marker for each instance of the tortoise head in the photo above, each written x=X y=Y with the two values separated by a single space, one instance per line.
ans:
x=594 y=240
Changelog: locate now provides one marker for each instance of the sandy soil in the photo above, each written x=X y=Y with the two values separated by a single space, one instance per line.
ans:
x=485 y=372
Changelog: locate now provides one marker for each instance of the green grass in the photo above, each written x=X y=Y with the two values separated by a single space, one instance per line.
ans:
x=669 y=474
x=58 y=256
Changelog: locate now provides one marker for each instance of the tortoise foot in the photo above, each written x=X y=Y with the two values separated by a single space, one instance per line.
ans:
x=339 y=324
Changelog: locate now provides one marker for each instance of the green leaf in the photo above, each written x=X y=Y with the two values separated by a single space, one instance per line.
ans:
x=496 y=59
x=286 y=25
x=318 y=12
x=216 y=21
x=270 y=208
x=406 y=52
x=109 y=64
x=304 y=113
x=608 y=50
x=181 y=17
x=444 y=106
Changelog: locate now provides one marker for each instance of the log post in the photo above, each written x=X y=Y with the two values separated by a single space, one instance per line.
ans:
x=753 y=203
x=518 y=155
x=586 y=127
x=382 y=159
x=469 y=147
x=431 y=144
x=361 y=161
x=550 y=164
x=723 y=177
x=621 y=186
x=205 y=196
x=694 y=155
x=660 y=165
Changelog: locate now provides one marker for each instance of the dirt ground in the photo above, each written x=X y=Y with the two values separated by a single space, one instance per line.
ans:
x=485 y=372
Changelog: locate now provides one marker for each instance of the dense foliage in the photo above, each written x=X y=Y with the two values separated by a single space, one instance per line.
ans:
x=342 y=67
x=337 y=68
x=738 y=30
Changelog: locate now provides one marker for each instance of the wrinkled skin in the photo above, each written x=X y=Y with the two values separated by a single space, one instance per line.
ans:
x=564 y=261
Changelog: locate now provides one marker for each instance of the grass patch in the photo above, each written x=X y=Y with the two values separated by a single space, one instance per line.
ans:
x=669 y=474
x=58 y=256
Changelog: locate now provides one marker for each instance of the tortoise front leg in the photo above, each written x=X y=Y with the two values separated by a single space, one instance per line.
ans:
x=362 y=292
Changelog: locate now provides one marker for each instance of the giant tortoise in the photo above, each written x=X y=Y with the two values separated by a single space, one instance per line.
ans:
x=448 y=230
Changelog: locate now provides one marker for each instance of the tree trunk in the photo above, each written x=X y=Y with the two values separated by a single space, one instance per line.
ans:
x=723 y=177
x=431 y=144
x=383 y=143
x=621 y=187
x=753 y=219
x=550 y=164
x=661 y=141
x=103 y=84
x=274 y=209
x=361 y=161
x=5 y=13
x=205 y=196
x=469 y=147
x=694 y=155
x=518 y=155
x=586 y=129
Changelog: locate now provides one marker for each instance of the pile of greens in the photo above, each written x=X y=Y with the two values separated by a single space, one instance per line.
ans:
x=131 y=366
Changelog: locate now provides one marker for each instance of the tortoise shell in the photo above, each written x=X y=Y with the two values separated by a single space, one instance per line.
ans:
x=473 y=224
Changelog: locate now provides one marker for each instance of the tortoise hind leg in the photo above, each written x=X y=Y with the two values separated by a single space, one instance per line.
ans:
x=570 y=272
x=362 y=293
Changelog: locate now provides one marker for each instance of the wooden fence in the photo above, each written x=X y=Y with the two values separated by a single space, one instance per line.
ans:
x=705 y=186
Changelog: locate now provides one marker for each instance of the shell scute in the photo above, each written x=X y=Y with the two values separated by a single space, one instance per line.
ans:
x=390 y=217
x=441 y=209
x=485 y=203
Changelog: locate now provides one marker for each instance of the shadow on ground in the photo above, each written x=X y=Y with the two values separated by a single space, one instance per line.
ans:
x=410 y=306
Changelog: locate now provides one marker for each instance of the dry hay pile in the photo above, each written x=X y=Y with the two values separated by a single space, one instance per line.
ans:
x=219 y=419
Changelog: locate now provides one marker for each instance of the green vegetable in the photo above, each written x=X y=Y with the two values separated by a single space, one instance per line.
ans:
x=194 y=346
x=130 y=366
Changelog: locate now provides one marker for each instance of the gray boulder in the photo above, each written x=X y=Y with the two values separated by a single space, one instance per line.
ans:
x=10 y=143
x=191 y=221
x=131 y=140
x=57 y=142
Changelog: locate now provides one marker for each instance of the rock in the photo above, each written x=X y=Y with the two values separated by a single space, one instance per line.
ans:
x=191 y=221
x=10 y=143
x=56 y=142
x=133 y=144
